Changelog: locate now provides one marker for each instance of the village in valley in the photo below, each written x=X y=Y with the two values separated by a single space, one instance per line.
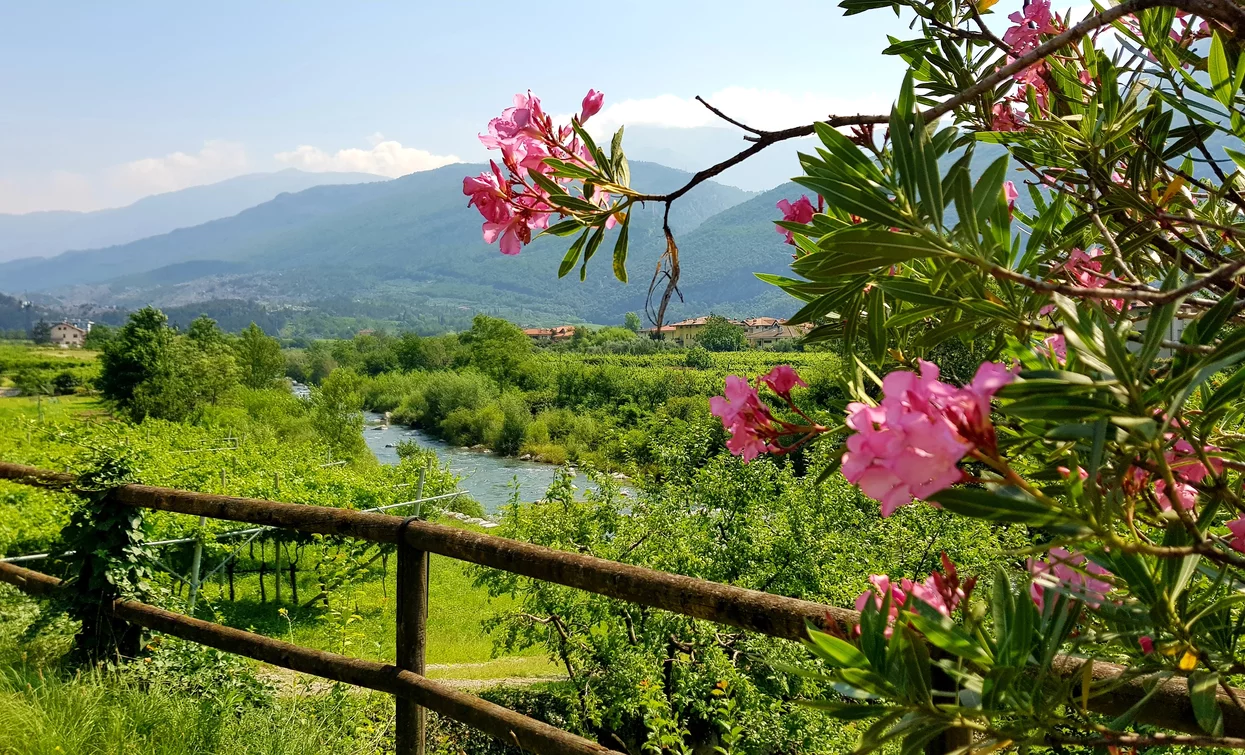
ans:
x=759 y=332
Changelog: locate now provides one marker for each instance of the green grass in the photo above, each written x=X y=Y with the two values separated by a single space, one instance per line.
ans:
x=98 y=715
x=360 y=619
x=54 y=408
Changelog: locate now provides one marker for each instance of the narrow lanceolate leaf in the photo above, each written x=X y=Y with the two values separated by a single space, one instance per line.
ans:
x=984 y=504
x=593 y=243
x=1221 y=79
x=855 y=250
x=943 y=633
x=620 y=251
x=1203 y=689
x=572 y=255
x=834 y=651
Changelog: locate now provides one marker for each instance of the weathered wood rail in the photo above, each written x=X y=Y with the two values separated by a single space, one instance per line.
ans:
x=774 y=615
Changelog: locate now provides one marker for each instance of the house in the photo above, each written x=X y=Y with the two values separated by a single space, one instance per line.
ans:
x=765 y=336
x=685 y=331
x=66 y=335
x=550 y=335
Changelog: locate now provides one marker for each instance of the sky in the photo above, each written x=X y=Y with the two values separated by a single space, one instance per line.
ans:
x=105 y=103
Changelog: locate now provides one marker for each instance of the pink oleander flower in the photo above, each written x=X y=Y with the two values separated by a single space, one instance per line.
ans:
x=1147 y=644
x=1067 y=473
x=745 y=416
x=782 y=379
x=799 y=211
x=513 y=122
x=1006 y=119
x=1033 y=78
x=490 y=195
x=1188 y=471
x=1237 y=528
x=1010 y=193
x=909 y=446
x=753 y=428
x=1070 y=572
x=591 y=105
x=1085 y=270
x=1030 y=23
x=1055 y=347
x=514 y=205
x=942 y=591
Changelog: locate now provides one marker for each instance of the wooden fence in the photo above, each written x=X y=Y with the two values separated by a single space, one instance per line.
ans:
x=774 y=615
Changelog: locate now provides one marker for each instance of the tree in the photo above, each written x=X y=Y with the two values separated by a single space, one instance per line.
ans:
x=410 y=352
x=337 y=413
x=720 y=334
x=498 y=348
x=190 y=377
x=631 y=321
x=138 y=352
x=1105 y=413
x=41 y=333
x=204 y=331
x=260 y=363
x=98 y=337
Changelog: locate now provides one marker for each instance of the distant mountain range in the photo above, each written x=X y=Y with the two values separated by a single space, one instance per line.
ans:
x=409 y=240
x=408 y=253
x=42 y=234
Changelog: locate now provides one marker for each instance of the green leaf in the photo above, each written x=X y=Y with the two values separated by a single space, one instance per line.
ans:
x=834 y=651
x=856 y=198
x=875 y=304
x=565 y=228
x=620 y=251
x=846 y=711
x=944 y=634
x=1156 y=326
x=988 y=192
x=1203 y=689
x=572 y=255
x=1221 y=81
x=857 y=250
x=591 y=249
x=1016 y=506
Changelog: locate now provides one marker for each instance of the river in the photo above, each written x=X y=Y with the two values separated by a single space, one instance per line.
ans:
x=487 y=476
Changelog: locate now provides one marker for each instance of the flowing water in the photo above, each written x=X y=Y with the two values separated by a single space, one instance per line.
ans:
x=488 y=477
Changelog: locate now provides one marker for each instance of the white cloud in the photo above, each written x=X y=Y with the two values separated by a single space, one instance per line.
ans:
x=759 y=108
x=216 y=161
x=385 y=158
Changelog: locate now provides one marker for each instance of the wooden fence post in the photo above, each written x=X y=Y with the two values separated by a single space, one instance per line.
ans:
x=412 y=636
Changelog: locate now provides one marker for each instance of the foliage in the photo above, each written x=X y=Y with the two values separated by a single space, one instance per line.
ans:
x=336 y=414
x=259 y=359
x=720 y=334
x=107 y=559
x=98 y=337
x=632 y=322
x=760 y=526
x=498 y=348
x=41 y=333
x=134 y=356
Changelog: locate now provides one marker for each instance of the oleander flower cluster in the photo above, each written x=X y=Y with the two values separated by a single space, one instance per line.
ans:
x=510 y=198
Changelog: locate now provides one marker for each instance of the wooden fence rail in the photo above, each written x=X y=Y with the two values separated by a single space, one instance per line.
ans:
x=774 y=615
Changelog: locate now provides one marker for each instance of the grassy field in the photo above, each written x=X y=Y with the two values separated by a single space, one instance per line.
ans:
x=359 y=619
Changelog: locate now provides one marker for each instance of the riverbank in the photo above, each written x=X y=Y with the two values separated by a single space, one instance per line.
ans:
x=489 y=478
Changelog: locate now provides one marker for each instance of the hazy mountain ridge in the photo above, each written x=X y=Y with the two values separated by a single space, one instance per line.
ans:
x=42 y=234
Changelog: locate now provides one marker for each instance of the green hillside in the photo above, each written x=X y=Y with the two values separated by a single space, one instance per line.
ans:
x=411 y=241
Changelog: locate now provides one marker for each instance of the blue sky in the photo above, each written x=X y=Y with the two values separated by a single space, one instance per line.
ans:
x=105 y=103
